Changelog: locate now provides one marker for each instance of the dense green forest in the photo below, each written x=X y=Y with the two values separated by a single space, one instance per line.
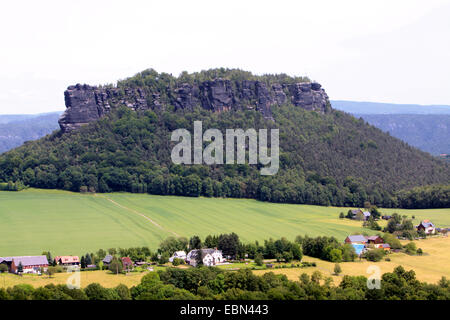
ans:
x=325 y=159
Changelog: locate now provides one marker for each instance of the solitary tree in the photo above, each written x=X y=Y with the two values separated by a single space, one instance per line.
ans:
x=3 y=268
x=20 y=268
x=410 y=248
x=337 y=269
x=88 y=259
x=51 y=271
x=259 y=259
x=83 y=262
x=115 y=266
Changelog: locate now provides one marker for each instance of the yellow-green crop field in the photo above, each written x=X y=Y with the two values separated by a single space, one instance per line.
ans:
x=65 y=223
x=429 y=267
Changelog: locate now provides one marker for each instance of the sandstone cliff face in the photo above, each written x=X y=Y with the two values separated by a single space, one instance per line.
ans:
x=86 y=103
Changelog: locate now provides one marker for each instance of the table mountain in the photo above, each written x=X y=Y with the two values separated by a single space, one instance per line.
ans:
x=117 y=138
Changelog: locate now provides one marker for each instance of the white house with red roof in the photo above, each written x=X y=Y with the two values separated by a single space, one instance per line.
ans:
x=426 y=226
x=67 y=260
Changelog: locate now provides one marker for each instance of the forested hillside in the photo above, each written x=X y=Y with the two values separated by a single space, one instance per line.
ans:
x=430 y=133
x=327 y=158
x=14 y=130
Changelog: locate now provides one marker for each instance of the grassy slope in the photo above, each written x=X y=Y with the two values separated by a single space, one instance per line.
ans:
x=66 y=223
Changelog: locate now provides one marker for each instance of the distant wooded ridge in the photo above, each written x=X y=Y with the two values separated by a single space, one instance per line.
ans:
x=424 y=127
x=16 y=129
x=355 y=107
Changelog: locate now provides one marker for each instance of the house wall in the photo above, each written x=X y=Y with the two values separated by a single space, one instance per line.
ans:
x=14 y=268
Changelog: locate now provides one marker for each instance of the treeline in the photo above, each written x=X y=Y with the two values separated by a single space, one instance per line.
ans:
x=425 y=197
x=329 y=159
x=215 y=284
x=325 y=248
x=12 y=186
x=151 y=81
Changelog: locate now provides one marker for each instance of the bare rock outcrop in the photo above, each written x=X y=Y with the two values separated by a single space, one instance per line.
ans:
x=86 y=103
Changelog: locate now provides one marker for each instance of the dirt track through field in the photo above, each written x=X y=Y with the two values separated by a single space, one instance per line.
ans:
x=139 y=213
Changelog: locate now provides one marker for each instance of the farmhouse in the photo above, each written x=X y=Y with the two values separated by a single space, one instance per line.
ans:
x=356 y=239
x=356 y=211
x=366 y=215
x=6 y=261
x=127 y=263
x=67 y=260
x=375 y=240
x=363 y=243
x=426 y=226
x=107 y=260
x=178 y=255
x=358 y=214
x=30 y=264
x=210 y=257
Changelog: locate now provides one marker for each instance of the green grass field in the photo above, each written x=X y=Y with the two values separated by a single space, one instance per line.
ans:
x=65 y=223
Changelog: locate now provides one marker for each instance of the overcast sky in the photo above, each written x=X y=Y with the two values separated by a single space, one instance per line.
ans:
x=381 y=51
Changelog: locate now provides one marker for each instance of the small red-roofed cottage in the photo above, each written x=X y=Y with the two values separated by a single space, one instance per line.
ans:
x=67 y=260
x=127 y=263
x=375 y=240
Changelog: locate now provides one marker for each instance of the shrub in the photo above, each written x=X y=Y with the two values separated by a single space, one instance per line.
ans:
x=410 y=248
x=259 y=259
x=177 y=261
x=337 y=269
x=164 y=258
x=392 y=241
x=3 y=268
x=374 y=255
